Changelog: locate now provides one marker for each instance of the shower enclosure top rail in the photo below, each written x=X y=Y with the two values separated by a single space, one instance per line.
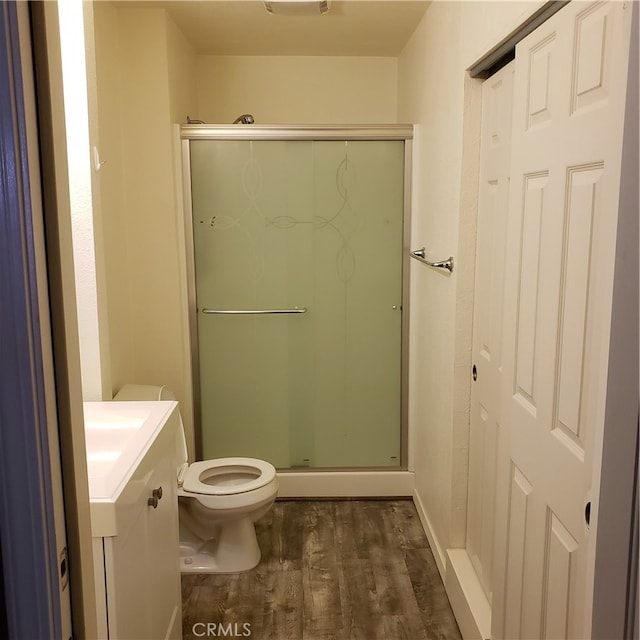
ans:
x=296 y=132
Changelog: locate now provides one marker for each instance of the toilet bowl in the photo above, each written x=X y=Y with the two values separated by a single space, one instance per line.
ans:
x=219 y=501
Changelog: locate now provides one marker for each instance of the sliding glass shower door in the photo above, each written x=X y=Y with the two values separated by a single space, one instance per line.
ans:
x=298 y=282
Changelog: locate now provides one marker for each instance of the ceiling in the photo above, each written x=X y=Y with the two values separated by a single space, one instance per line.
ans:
x=244 y=27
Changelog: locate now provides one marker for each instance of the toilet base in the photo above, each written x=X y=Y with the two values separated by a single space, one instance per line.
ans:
x=233 y=551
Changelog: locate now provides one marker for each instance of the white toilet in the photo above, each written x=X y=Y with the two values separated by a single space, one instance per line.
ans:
x=218 y=502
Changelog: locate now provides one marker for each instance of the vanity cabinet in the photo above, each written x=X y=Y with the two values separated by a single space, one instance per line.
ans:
x=136 y=555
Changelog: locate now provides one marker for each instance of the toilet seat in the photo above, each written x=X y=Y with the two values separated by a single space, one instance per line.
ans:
x=229 y=472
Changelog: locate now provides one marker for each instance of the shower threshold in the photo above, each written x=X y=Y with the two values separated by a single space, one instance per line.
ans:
x=345 y=484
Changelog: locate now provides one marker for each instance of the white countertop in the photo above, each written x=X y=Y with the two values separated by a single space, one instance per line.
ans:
x=118 y=435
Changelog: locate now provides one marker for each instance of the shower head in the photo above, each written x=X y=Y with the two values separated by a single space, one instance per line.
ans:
x=245 y=118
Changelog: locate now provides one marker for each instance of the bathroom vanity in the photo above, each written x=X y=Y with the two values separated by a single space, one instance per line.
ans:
x=131 y=464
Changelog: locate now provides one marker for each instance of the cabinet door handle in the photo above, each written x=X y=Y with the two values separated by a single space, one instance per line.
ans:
x=156 y=496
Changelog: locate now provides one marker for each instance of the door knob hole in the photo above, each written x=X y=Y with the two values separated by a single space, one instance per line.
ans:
x=587 y=513
x=474 y=373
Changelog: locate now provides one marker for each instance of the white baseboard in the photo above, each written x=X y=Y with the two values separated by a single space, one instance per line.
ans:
x=438 y=552
x=467 y=597
x=345 y=484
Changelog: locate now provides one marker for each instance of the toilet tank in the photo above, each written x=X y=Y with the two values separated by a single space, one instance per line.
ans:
x=144 y=392
x=154 y=392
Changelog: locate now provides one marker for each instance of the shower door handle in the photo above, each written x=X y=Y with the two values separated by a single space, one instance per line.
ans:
x=253 y=311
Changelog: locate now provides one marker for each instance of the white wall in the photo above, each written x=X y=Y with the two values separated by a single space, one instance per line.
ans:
x=110 y=148
x=434 y=93
x=79 y=89
x=182 y=74
x=145 y=71
x=297 y=90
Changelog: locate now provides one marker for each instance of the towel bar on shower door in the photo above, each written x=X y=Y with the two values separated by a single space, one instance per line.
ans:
x=252 y=311
x=419 y=255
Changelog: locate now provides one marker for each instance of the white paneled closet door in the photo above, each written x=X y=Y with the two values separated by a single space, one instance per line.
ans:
x=493 y=199
x=570 y=83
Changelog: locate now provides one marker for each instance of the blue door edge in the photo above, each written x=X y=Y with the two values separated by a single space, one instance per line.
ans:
x=27 y=532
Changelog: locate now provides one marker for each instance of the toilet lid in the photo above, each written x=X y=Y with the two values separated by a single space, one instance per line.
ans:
x=227 y=476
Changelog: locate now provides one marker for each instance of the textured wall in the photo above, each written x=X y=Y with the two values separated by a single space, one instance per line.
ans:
x=297 y=89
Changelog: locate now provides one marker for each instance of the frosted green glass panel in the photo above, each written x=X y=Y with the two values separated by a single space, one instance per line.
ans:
x=280 y=225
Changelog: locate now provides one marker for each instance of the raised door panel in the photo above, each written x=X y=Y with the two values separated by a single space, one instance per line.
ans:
x=593 y=47
x=558 y=577
x=534 y=213
x=519 y=505
x=582 y=208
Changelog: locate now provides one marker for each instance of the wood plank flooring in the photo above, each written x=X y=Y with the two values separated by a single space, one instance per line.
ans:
x=330 y=570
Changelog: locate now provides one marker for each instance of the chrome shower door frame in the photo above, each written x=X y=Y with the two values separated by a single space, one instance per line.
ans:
x=399 y=132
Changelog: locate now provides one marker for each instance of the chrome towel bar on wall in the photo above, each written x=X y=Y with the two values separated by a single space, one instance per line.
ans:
x=419 y=255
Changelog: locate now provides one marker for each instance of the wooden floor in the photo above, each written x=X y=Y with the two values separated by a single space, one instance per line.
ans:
x=336 y=570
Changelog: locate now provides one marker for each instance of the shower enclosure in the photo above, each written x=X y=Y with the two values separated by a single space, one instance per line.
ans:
x=298 y=287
